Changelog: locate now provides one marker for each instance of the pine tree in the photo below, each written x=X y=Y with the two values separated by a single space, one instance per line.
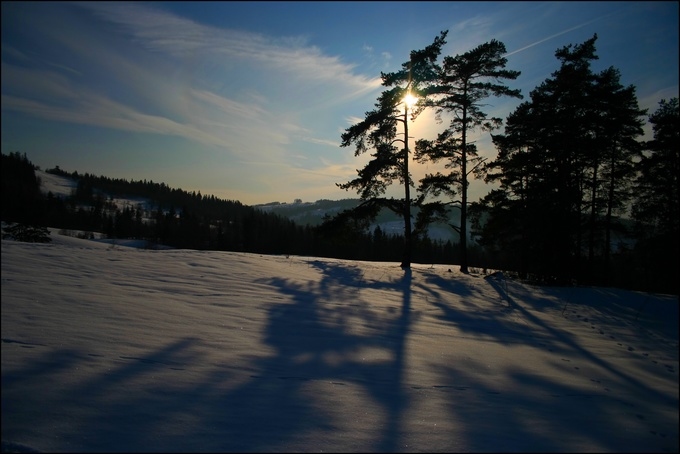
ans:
x=465 y=81
x=617 y=123
x=657 y=204
x=378 y=132
x=658 y=187
x=564 y=163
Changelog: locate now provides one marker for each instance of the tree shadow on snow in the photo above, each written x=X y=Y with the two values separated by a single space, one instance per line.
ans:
x=325 y=341
x=315 y=339
x=516 y=409
x=314 y=342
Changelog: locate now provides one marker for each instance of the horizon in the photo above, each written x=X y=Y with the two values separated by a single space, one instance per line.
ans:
x=247 y=101
x=49 y=187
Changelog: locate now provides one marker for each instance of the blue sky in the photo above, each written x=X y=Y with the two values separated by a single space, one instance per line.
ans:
x=248 y=100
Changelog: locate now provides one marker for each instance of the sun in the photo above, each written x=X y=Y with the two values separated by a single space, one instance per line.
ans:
x=410 y=100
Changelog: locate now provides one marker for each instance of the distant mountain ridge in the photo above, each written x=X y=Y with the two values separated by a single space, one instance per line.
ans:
x=302 y=213
x=312 y=214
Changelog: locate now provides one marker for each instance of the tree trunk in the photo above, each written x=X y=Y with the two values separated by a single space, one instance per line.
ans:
x=463 y=205
x=608 y=224
x=406 y=263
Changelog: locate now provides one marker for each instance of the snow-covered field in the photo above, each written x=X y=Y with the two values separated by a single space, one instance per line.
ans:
x=124 y=349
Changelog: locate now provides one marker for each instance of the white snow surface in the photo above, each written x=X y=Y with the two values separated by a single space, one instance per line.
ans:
x=58 y=185
x=125 y=349
x=61 y=186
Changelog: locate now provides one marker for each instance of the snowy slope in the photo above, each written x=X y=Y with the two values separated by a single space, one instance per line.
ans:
x=56 y=184
x=124 y=349
x=64 y=187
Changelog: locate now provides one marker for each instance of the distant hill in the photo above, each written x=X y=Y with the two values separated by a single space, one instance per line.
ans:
x=302 y=213
x=312 y=213
x=308 y=213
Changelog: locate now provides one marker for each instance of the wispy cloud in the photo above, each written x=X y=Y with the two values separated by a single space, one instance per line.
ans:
x=164 y=32
x=469 y=33
x=376 y=62
x=14 y=53
x=98 y=111
x=207 y=118
x=329 y=143
x=192 y=84
x=246 y=111
x=20 y=81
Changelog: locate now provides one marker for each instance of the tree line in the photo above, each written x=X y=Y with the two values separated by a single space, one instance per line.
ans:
x=579 y=196
x=182 y=219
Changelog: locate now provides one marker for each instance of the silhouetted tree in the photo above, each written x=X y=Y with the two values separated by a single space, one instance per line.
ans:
x=540 y=162
x=20 y=189
x=465 y=81
x=378 y=132
x=658 y=186
x=564 y=163
x=657 y=205
x=617 y=122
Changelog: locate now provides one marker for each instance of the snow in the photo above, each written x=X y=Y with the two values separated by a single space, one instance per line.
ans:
x=63 y=187
x=58 y=185
x=126 y=349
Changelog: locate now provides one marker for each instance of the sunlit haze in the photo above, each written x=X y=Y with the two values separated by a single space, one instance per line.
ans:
x=248 y=100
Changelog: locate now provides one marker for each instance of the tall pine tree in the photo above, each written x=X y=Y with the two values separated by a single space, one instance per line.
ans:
x=657 y=204
x=378 y=132
x=564 y=165
x=465 y=81
x=617 y=123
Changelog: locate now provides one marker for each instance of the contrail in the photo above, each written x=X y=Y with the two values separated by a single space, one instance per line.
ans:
x=558 y=34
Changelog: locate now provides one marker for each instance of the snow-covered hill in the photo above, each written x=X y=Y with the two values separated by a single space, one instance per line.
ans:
x=302 y=213
x=122 y=349
x=58 y=185
x=61 y=186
